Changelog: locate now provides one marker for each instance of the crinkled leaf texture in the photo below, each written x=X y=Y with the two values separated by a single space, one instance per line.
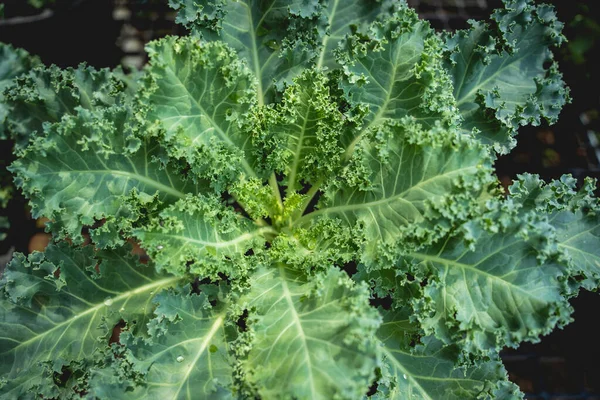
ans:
x=284 y=168
x=186 y=358
x=318 y=334
x=504 y=291
x=13 y=63
x=429 y=371
x=500 y=76
x=59 y=307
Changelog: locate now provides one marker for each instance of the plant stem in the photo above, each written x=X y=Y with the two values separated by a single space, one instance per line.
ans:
x=275 y=187
x=309 y=197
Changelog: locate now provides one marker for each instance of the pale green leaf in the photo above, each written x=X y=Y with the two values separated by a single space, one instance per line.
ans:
x=199 y=95
x=498 y=283
x=271 y=36
x=47 y=94
x=83 y=170
x=310 y=126
x=430 y=371
x=578 y=234
x=201 y=234
x=575 y=217
x=13 y=63
x=500 y=78
x=312 y=340
x=343 y=17
x=189 y=358
x=397 y=71
x=56 y=308
x=404 y=185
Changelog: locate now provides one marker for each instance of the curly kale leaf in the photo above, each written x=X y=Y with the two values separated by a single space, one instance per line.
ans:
x=201 y=235
x=429 y=370
x=501 y=80
x=316 y=333
x=280 y=38
x=396 y=71
x=268 y=35
x=46 y=94
x=186 y=357
x=60 y=307
x=87 y=169
x=202 y=110
x=404 y=186
x=573 y=215
x=13 y=63
x=497 y=285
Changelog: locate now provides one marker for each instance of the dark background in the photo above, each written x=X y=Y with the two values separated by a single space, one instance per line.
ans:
x=107 y=33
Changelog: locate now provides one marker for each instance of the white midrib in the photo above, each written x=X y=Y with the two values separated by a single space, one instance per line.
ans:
x=233 y=242
x=205 y=342
x=144 y=179
x=384 y=200
x=288 y=297
x=571 y=238
x=576 y=250
x=255 y=60
x=495 y=278
x=383 y=109
x=294 y=169
x=326 y=38
x=222 y=135
x=116 y=299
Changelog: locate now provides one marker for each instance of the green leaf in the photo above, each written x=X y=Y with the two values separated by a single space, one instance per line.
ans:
x=309 y=126
x=498 y=283
x=271 y=36
x=199 y=95
x=324 y=243
x=397 y=71
x=57 y=307
x=578 y=234
x=499 y=74
x=13 y=63
x=430 y=371
x=575 y=217
x=343 y=17
x=47 y=94
x=187 y=358
x=404 y=186
x=88 y=166
x=201 y=234
x=312 y=340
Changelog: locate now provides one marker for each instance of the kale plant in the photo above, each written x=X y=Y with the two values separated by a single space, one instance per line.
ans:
x=313 y=183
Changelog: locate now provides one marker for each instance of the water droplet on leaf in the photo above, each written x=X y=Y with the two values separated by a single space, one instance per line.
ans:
x=180 y=359
x=108 y=302
x=272 y=44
